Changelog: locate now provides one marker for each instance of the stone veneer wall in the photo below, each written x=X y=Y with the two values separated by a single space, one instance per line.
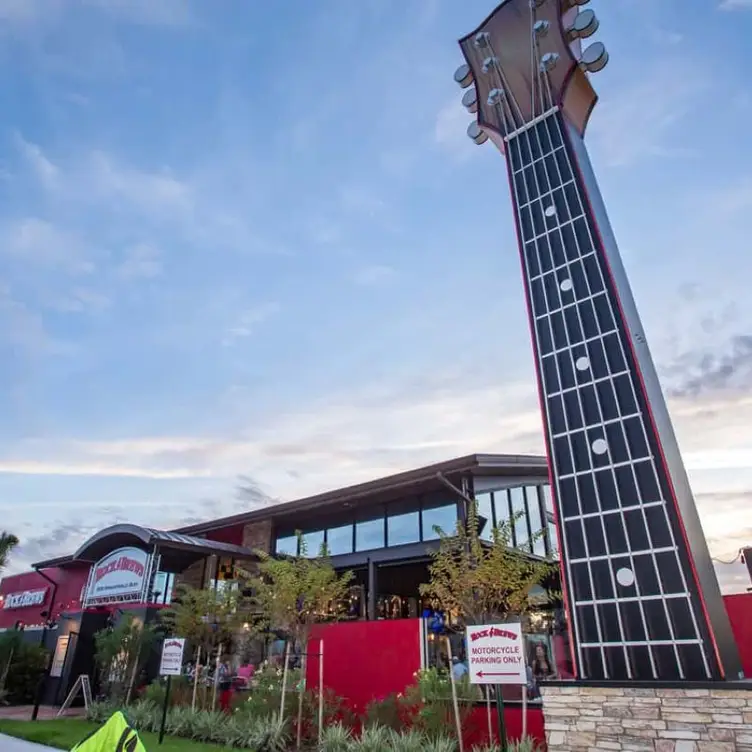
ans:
x=599 y=719
x=258 y=536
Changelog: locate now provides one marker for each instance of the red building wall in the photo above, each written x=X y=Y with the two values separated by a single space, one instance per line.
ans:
x=739 y=608
x=67 y=598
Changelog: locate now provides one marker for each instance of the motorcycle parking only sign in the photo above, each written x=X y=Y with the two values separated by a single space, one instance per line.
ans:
x=496 y=655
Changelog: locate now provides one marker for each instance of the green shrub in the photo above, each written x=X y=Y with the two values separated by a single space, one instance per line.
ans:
x=407 y=741
x=336 y=738
x=25 y=664
x=373 y=739
x=144 y=715
x=100 y=712
x=385 y=713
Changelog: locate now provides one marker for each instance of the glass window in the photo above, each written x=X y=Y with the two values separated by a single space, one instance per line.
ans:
x=552 y=542
x=536 y=523
x=521 y=536
x=339 y=540
x=369 y=534
x=403 y=528
x=501 y=508
x=444 y=517
x=548 y=500
x=287 y=545
x=485 y=510
x=312 y=543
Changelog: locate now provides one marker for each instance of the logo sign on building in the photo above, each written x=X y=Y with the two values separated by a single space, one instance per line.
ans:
x=119 y=576
x=496 y=654
x=172 y=657
x=26 y=599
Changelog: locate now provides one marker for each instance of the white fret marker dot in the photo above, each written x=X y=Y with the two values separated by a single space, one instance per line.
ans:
x=599 y=446
x=582 y=364
x=625 y=577
x=566 y=285
x=550 y=211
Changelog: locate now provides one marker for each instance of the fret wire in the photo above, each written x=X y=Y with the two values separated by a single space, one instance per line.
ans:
x=536 y=338
x=535 y=161
x=605 y=422
x=626 y=463
x=644 y=643
x=646 y=435
x=565 y=265
x=591 y=382
x=578 y=393
x=532 y=123
x=549 y=231
x=596 y=614
x=606 y=512
x=634 y=599
x=586 y=341
x=567 y=306
x=547 y=194
x=609 y=557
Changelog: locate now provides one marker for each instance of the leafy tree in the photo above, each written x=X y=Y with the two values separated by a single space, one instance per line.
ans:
x=121 y=651
x=8 y=542
x=293 y=593
x=207 y=618
x=483 y=581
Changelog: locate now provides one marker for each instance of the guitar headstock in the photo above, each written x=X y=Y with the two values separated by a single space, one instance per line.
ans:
x=525 y=59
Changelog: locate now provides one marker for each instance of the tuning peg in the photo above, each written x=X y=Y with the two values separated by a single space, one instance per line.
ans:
x=470 y=100
x=475 y=132
x=495 y=97
x=482 y=40
x=463 y=76
x=594 y=58
x=490 y=63
x=585 y=24
x=548 y=62
x=541 y=27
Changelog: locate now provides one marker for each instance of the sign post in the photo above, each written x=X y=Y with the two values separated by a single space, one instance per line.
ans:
x=496 y=656
x=170 y=665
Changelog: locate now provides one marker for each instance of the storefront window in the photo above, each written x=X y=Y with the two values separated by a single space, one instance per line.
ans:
x=369 y=534
x=288 y=545
x=501 y=507
x=537 y=529
x=444 y=517
x=485 y=510
x=403 y=528
x=553 y=543
x=547 y=499
x=521 y=536
x=312 y=543
x=339 y=540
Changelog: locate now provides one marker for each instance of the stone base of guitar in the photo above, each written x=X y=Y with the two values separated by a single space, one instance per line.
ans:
x=581 y=718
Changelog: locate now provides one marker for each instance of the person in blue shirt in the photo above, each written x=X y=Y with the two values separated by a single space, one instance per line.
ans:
x=459 y=669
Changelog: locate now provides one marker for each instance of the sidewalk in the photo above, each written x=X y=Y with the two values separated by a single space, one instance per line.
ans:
x=9 y=744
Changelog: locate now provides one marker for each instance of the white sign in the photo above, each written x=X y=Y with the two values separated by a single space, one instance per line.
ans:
x=172 y=657
x=119 y=574
x=496 y=655
x=25 y=599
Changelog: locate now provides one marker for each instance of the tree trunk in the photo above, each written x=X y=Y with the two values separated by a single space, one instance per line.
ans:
x=301 y=692
x=195 y=678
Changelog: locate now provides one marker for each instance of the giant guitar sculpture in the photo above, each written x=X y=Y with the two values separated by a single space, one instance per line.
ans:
x=641 y=594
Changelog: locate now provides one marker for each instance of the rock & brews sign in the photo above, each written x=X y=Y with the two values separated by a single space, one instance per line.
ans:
x=496 y=654
x=119 y=576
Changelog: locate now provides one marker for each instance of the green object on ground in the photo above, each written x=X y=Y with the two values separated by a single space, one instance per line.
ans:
x=65 y=733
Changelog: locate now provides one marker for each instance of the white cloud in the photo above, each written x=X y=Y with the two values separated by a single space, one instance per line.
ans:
x=43 y=168
x=450 y=130
x=735 y=4
x=248 y=321
x=374 y=275
x=141 y=261
x=636 y=121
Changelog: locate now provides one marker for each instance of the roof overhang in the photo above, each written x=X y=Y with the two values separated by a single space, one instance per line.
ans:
x=177 y=551
x=421 y=480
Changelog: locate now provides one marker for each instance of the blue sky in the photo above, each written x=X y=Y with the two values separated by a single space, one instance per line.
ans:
x=253 y=238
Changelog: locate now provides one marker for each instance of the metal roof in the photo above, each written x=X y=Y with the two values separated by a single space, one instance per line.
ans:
x=476 y=464
x=174 y=547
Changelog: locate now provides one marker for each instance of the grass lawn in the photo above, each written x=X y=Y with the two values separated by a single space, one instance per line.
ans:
x=66 y=732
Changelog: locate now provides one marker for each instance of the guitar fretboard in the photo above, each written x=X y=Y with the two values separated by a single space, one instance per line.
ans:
x=636 y=610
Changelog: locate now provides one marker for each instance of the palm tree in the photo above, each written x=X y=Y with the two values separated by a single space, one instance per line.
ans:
x=8 y=542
